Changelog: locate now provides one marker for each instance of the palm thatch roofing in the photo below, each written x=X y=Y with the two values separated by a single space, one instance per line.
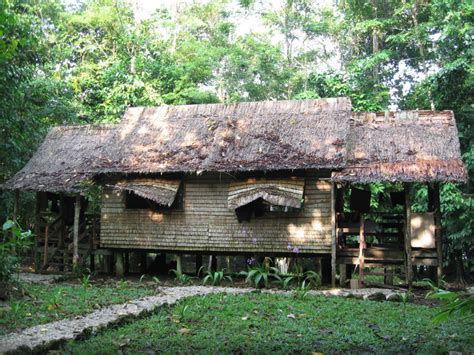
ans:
x=279 y=192
x=254 y=136
x=160 y=191
x=63 y=161
x=407 y=146
x=231 y=137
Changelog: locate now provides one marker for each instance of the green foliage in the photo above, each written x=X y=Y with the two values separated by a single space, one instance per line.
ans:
x=454 y=306
x=214 y=278
x=15 y=241
x=259 y=276
x=180 y=277
x=47 y=303
x=260 y=323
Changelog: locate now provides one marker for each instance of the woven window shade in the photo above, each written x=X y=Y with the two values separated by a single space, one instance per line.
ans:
x=160 y=191
x=280 y=192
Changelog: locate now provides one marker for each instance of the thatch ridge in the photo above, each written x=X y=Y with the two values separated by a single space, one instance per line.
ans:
x=403 y=146
x=64 y=160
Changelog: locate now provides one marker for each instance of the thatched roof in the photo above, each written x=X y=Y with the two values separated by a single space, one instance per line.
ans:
x=231 y=137
x=280 y=192
x=63 y=161
x=160 y=191
x=255 y=136
x=404 y=146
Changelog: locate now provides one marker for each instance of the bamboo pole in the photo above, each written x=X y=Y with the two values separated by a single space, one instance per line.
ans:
x=75 y=242
x=409 y=263
x=333 y=235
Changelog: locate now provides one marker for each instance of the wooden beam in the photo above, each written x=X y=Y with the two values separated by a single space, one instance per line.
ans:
x=438 y=235
x=75 y=242
x=408 y=256
x=333 y=234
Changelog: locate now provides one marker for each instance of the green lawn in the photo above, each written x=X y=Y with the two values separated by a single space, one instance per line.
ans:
x=47 y=303
x=264 y=323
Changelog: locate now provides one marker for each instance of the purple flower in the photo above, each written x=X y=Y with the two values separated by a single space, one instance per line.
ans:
x=250 y=261
x=293 y=249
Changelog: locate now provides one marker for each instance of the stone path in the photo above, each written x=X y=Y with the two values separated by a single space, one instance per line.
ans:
x=43 y=337
x=39 y=278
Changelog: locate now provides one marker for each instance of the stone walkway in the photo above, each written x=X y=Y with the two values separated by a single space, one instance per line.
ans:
x=43 y=337
x=39 y=278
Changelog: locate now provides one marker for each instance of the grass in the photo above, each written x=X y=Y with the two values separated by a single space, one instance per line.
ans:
x=264 y=323
x=47 y=303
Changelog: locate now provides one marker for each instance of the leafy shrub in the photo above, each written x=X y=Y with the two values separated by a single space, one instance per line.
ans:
x=454 y=306
x=215 y=278
x=260 y=274
x=15 y=241
x=180 y=277
x=298 y=277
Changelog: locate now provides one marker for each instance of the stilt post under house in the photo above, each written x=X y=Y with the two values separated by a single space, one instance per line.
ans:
x=75 y=242
x=408 y=252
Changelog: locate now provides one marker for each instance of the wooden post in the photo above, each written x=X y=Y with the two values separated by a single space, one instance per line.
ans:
x=318 y=267
x=127 y=262
x=75 y=243
x=179 y=264
x=409 y=264
x=92 y=245
x=16 y=204
x=228 y=265
x=45 y=253
x=342 y=275
x=198 y=263
x=119 y=267
x=214 y=263
x=333 y=235
x=37 y=231
x=388 y=276
x=62 y=231
x=143 y=262
x=361 y=250
x=438 y=235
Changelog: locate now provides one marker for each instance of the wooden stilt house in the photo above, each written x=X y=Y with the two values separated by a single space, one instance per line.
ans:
x=268 y=178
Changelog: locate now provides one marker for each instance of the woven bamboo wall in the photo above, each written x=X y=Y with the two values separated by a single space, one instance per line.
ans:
x=206 y=223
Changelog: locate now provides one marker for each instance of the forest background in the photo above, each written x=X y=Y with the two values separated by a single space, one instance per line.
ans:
x=86 y=61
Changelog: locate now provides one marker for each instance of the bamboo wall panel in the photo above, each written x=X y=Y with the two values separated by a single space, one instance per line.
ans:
x=207 y=224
